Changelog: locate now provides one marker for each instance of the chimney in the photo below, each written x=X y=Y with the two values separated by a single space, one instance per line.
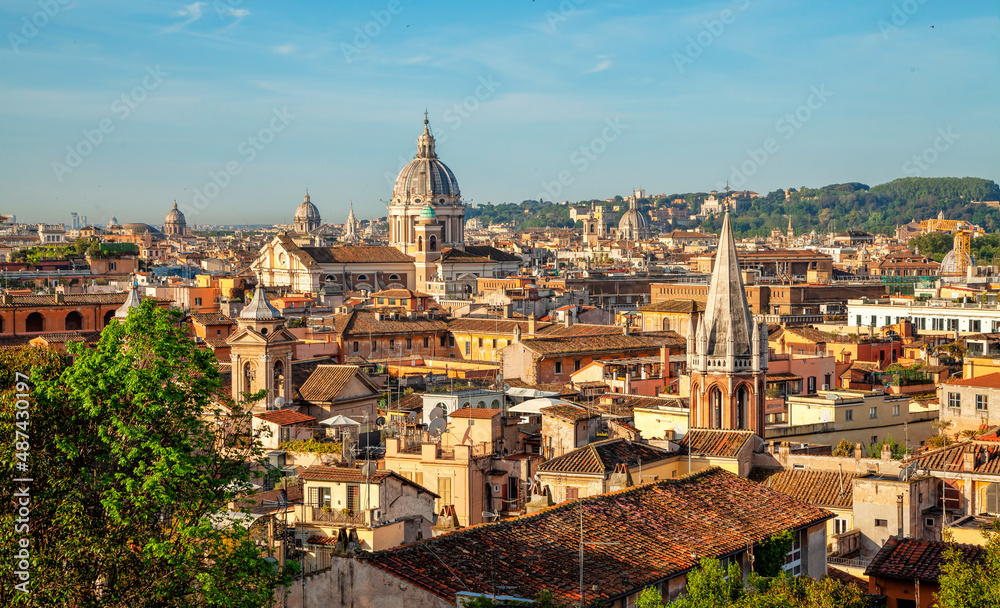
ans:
x=507 y=311
x=899 y=515
x=969 y=459
x=857 y=452
x=531 y=324
x=60 y=299
x=625 y=328
x=568 y=318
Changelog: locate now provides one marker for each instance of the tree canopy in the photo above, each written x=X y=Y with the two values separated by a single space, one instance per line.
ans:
x=132 y=462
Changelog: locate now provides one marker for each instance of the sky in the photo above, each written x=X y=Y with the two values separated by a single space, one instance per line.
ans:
x=234 y=108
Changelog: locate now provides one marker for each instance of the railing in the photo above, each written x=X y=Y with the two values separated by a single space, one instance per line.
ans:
x=853 y=562
x=334 y=516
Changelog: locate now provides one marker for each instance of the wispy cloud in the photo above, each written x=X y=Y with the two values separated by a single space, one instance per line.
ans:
x=192 y=12
x=285 y=49
x=604 y=64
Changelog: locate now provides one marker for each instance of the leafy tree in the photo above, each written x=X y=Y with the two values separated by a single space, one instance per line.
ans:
x=844 y=449
x=972 y=585
x=771 y=554
x=934 y=245
x=898 y=449
x=132 y=463
x=650 y=598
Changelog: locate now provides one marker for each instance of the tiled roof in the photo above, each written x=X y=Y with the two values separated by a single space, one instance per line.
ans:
x=952 y=458
x=613 y=343
x=362 y=323
x=570 y=413
x=400 y=293
x=356 y=254
x=211 y=318
x=303 y=368
x=917 y=559
x=986 y=381
x=342 y=474
x=68 y=336
x=327 y=381
x=285 y=417
x=716 y=442
x=14 y=342
x=658 y=531
x=846 y=578
x=820 y=488
x=476 y=413
x=487 y=251
x=678 y=306
x=634 y=401
x=70 y=299
x=601 y=457
x=267 y=501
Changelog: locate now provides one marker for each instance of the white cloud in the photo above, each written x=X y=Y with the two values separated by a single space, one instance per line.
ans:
x=193 y=12
x=239 y=13
x=285 y=49
x=601 y=66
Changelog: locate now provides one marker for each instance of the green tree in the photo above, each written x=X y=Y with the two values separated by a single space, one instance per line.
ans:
x=650 y=598
x=844 y=449
x=133 y=462
x=972 y=585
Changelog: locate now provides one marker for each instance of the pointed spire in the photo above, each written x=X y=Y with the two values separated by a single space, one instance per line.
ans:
x=131 y=301
x=260 y=309
x=727 y=315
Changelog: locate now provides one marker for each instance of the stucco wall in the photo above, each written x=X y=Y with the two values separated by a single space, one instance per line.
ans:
x=351 y=583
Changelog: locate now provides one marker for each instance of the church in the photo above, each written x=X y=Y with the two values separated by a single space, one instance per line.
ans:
x=727 y=351
x=426 y=250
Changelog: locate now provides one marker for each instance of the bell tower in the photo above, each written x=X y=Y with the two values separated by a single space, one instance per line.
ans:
x=261 y=351
x=428 y=232
x=727 y=350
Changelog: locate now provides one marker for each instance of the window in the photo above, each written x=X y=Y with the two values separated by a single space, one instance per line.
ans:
x=113 y=266
x=874 y=439
x=354 y=499
x=427 y=342
x=558 y=367
x=881 y=523
x=392 y=343
x=954 y=401
x=284 y=434
x=929 y=522
x=468 y=348
x=991 y=498
x=356 y=346
x=576 y=365
x=895 y=409
x=572 y=493
x=812 y=384
x=197 y=301
x=451 y=341
x=793 y=559
x=873 y=412
x=320 y=496
x=444 y=341
x=494 y=343
x=848 y=415
x=409 y=343
x=444 y=491
x=839 y=526
x=981 y=403
x=480 y=342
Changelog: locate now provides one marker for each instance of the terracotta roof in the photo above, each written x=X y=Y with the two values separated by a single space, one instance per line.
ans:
x=659 y=531
x=211 y=318
x=477 y=413
x=285 y=417
x=343 y=474
x=846 y=578
x=986 y=381
x=70 y=299
x=678 y=306
x=400 y=293
x=359 y=324
x=601 y=457
x=820 y=488
x=614 y=343
x=952 y=458
x=356 y=254
x=634 y=401
x=716 y=442
x=569 y=413
x=917 y=559
x=327 y=381
x=68 y=336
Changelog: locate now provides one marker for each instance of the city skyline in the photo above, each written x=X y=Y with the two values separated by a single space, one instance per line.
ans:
x=158 y=102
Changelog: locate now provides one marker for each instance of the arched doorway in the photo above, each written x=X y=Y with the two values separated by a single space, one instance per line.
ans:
x=74 y=321
x=34 y=322
x=715 y=408
x=108 y=316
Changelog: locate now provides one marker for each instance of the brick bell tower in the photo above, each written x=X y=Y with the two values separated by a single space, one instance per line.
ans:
x=727 y=350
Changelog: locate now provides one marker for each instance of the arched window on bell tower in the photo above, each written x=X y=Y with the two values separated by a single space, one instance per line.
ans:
x=249 y=375
x=278 y=377
x=715 y=408
x=742 y=407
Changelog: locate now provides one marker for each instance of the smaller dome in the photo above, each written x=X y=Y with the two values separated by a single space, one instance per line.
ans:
x=428 y=212
x=175 y=216
x=260 y=309
x=307 y=211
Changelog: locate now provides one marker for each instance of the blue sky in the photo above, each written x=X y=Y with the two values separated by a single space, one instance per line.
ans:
x=118 y=108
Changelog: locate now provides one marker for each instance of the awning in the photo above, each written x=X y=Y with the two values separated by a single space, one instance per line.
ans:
x=534 y=406
x=529 y=393
x=339 y=420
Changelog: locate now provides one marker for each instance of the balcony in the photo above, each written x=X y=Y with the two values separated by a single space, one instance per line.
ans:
x=326 y=516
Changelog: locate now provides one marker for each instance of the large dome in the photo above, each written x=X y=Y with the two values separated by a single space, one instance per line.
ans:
x=426 y=179
x=634 y=225
x=174 y=216
x=306 y=211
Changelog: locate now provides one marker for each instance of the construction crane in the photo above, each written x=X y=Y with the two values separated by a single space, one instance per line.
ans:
x=963 y=248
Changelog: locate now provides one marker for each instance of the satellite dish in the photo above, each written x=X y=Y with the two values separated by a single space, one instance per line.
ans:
x=279 y=402
x=380 y=420
x=491 y=515
x=506 y=387
x=437 y=412
x=437 y=426
x=368 y=469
